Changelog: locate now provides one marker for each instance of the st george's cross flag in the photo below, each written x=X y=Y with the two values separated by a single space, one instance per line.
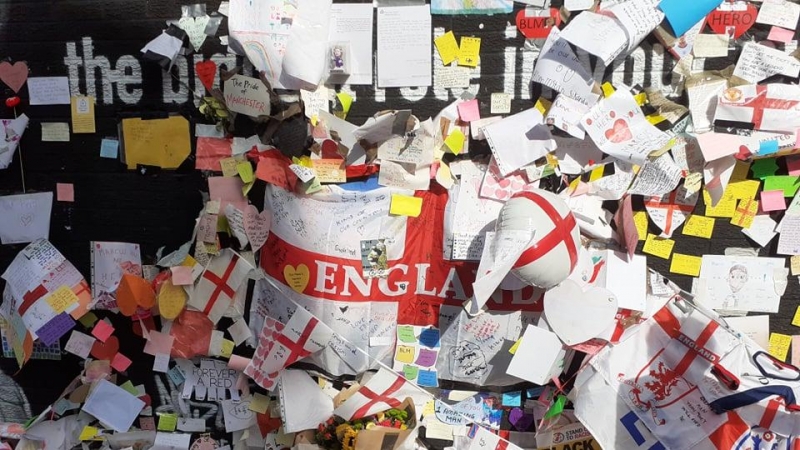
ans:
x=216 y=289
x=385 y=390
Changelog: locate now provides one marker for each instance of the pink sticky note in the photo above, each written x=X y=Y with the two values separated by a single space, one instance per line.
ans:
x=120 y=362
x=102 y=330
x=65 y=192
x=159 y=343
x=793 y=164
x=779 y=34
x=227 y=190
x=468 y=111
x=773 y=201
x=182 y=275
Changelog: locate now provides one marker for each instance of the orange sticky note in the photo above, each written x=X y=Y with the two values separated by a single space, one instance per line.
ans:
x=134 y=292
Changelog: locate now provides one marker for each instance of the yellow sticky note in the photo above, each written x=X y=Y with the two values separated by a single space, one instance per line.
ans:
x=405 y=205
x=330 y=170
x=167 y=422
x=699 y=226
x=346 y=100
x=82 y=114
x=656 y=246
x=405 y=354
x=740 y=170
x=469 y=52
x=88 y=433
x=246 y=187
x=640 y=98
x=597 y=173
x=245 y=170
x=513 y=349
x=259 y=403
x=743 y=190
x=608 y=89
x=228 y=166
x=725 y=208
x=61 y=299
x=448 y=47
x=226 y=348
x=129 y=388
x=428 y=409
x=685 y=264
x=455 y=141
x=779 y=345
x=796 y=318
x=745 y=212
x=542 y=105
x=641 y=221
x=794 y=264
x=171 y=300
x=157 y=142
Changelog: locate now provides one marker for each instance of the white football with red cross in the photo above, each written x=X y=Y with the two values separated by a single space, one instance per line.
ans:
x=554 y=252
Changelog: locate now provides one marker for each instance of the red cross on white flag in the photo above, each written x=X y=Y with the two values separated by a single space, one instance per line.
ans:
x=670 y=210
x=385 y=390
x=218 y=284
x=302 y=335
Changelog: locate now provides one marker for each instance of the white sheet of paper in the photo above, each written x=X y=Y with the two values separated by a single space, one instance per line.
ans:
x=55 y=132
x=79 y=344
x=703 y=102
x=404 y=46
x=113 y=406
x=627 y=279
x=619 y=128
x=741 y=283
x=26 y=217
x=758 y=62
x=345 y=129
x=239 y=331
x=238 y=415
x=353 y=23
x=781 y=13
x=789 y=239
x=575 y=154
x=519 y=140
x=539 y=357
x=303 y=403
x=566 y=114
x=48 y=90
x=558 y=68
x=762 y=230
x=404 y=175
x=710 y=46
x=305 y=58
x=657 y=177
x=501 y=252
x=172 y=441
x=754 y=327
x=600 y=35
x=451 y=77
x=638 y=19
x=10 y=133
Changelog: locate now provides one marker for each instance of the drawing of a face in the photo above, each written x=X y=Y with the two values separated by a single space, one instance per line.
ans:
x=737 y=277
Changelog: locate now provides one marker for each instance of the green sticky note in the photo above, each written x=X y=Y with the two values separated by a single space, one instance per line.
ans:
x=88 y=319
x=763 y=168
x=410 y=372
x=128 y=386
x=786 y=183
x=167 y=422
x=406 y=333
x=557 y=407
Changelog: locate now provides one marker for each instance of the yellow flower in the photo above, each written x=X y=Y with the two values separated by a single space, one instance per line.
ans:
x=349 y=441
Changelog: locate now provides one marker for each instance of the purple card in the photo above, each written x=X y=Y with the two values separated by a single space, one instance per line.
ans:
x=55 y=328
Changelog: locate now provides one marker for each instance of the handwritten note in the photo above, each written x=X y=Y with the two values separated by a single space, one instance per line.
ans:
x=500 y=103
x=170 y=137
x=657 y=246
x=699 y=226
x=469 y=51
x=55 y=132
x=448 y=47
x=779 y=345
x=758 y=62
x=49 y=90
x=247 y=95
x=686 y=264
x=26 y=217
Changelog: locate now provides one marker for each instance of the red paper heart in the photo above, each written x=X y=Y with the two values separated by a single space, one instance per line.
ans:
x=206 y=71
x=12 y=102
x=107 y=349
x=330 y=149
x=619 y=132
x=537 y=24
x=719 y=20
x=14 y=76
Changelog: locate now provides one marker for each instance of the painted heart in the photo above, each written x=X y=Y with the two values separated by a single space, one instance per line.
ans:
x=577 y=316
x=517 y=185
x=504 y=183
x=207 y=72
x=330 y=149
x=195 y=28
x=14 y=76
x=296 y=278
x=12 y=101
x=619 y=132
x=519 y=419
x=500 y=194
x=741 y=21
x=256 y=226
x=536 y=24
x=107 y=349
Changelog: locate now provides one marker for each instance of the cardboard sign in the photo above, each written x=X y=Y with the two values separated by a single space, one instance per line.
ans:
x=720 y=19
x=247 y=95
x=536 y=24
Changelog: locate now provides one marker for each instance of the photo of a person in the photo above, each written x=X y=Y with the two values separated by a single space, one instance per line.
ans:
x=337 y=58
x=737 y=278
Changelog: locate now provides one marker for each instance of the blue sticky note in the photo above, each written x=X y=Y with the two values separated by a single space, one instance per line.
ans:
x=683 y=15
x=768 y=147
x=512 y=398
x=428 y=378
x=534 y=393
x=109 y=148
x=429 y=337
x=176 y=376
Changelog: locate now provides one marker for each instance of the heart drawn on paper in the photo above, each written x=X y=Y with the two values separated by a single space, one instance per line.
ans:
x=195 y=28
x=741 y=21
x=536 y=24
x=577 y=316
x=107 y=349
x=14 y=76
x=619 y=132
x=256 y=226
x=296 y=278
x=519 y=419
x=26 y=219
x=206 y=71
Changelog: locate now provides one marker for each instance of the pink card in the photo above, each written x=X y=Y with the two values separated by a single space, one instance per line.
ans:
x=779 y=34
x=102 y=330
x=120 y=362
x=773 y=201
x=468 y=111
x=793 y=164
x=227 y=190
x=182 y=275
x=65 y=192
x=159 y=343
